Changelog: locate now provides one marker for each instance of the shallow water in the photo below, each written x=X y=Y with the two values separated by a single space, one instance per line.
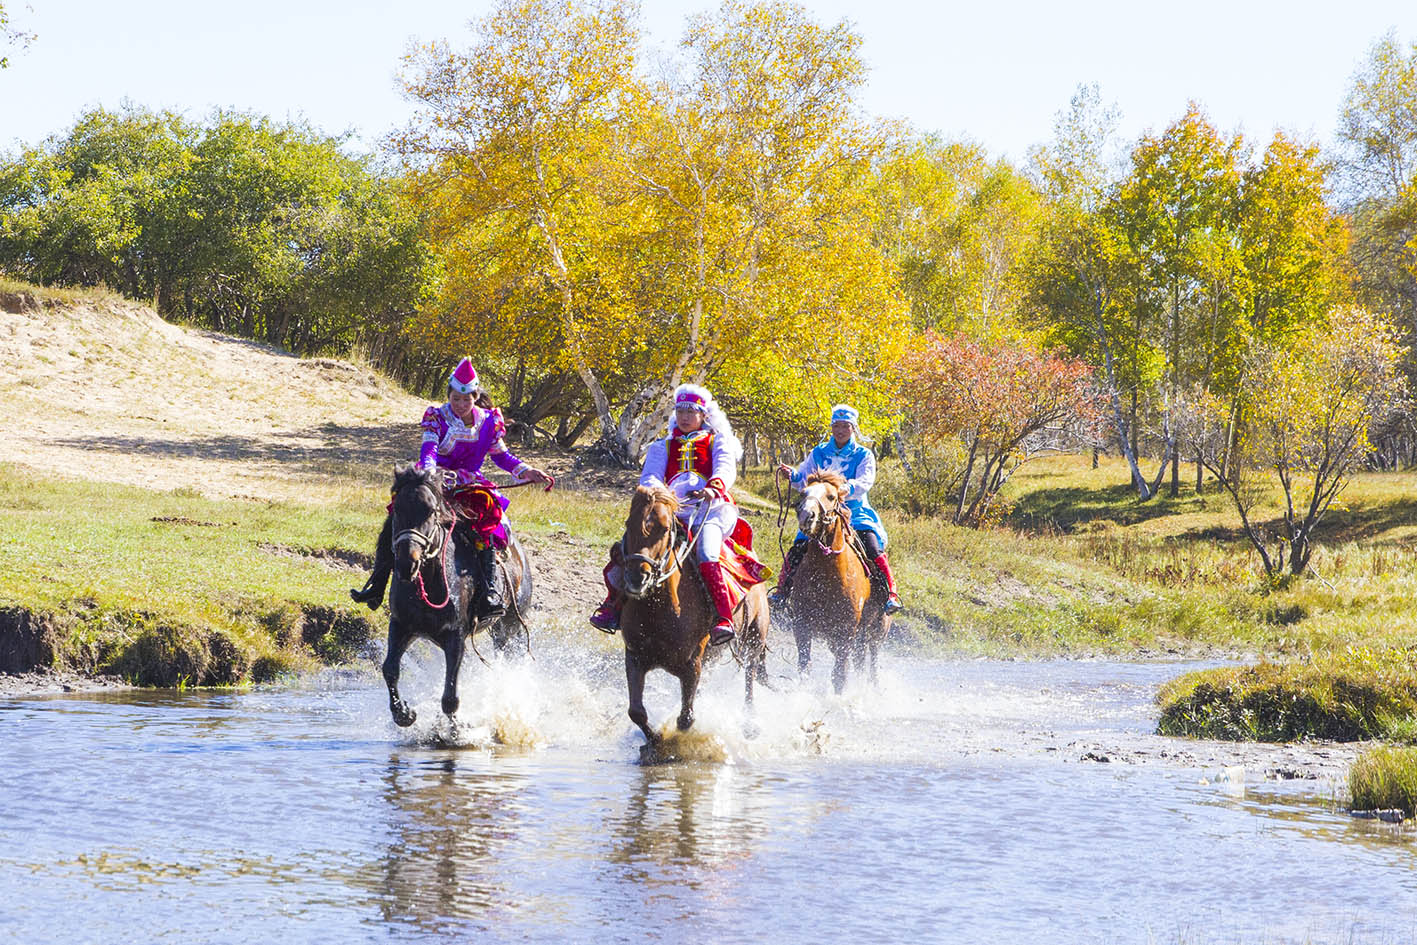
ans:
x=952 y=805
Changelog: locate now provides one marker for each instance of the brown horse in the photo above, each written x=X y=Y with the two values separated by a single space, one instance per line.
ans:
x=833 y=595
x=435 y=584
x=667 y=614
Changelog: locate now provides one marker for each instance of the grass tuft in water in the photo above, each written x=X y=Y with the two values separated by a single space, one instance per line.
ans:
x=1385 y=779
x=1357 y=694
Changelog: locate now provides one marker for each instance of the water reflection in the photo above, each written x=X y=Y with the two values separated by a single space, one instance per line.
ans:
x=447 y=825
x=687 y=815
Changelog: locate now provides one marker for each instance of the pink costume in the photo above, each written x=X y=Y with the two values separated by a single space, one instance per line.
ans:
x=461 y=448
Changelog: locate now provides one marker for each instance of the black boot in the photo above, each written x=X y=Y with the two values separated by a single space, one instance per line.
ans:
x=372 y=593
x=489 y=585
x=778 y=595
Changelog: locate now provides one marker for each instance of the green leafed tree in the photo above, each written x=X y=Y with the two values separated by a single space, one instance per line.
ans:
x=254 y=227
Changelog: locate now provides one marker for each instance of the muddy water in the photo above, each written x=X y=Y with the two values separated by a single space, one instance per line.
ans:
x=964 y=802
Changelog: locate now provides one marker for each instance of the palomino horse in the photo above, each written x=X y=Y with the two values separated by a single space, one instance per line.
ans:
x=832 y=589
x=434 y=586
x=667 y=614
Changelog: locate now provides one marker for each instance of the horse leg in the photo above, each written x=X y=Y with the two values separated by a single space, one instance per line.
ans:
x=635 y=677
x=688 y=688
x=843 y=656
x=803 y=635
x=453 y=648
x=402 y=712
x=875 y=683
x=753 y=672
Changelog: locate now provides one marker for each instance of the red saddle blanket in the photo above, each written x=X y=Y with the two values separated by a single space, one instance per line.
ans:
x=741 y=567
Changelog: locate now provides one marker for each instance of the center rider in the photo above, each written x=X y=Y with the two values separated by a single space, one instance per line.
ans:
x=698 y=462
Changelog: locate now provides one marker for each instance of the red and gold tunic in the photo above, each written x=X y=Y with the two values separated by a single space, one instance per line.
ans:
x=689 y=452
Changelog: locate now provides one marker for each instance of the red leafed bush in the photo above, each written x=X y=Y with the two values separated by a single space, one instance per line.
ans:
x=1003 y=401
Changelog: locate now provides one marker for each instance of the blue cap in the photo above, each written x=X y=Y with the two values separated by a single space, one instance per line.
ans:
x=846 y=412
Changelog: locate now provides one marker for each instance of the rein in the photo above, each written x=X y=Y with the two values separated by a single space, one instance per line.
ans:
x=839 y=513
x=436 y=547
x=661 y=569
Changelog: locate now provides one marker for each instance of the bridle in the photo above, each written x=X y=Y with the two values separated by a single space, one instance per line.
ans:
x=434 y=546
x=836 y=511
x=665 y=566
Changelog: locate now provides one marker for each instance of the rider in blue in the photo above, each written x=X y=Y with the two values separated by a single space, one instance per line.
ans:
x=857 y=465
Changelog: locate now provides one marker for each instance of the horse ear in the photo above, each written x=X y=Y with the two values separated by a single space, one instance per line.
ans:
x=401 y=468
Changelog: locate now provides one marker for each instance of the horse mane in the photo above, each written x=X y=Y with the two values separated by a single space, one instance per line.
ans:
x=410 y=474
x=831 y=478
x=644 y=499
x=653 y=495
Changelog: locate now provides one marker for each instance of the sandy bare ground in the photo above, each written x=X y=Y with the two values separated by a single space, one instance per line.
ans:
x=111 y=392
x=106 y=390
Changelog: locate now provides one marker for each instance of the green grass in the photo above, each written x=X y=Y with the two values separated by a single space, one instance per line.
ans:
x=55 y=294
x=1385 y=778
x=1357 y=694
x=1082 y=567
x=169 y=588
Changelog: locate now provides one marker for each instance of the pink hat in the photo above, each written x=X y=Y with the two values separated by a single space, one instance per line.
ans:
x=686 y=397
x=464 y=378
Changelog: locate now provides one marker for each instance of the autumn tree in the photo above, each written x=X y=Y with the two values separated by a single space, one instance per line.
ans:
x=958 y=226
x=512 y=142
x=1177 y=208
x=1085 y=285
x=1311 y=404
x=701 y=227
x=1377 y=147
x=11 y=36
x=1003 y=401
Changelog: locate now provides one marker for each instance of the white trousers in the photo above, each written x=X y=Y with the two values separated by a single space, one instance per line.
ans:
x=713 y=526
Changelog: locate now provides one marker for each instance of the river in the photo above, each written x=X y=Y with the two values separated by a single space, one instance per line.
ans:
x=975 y=801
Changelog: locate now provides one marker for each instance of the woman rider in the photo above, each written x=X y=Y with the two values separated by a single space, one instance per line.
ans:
x=457 y=437
x=698 y=462
x=856 y=464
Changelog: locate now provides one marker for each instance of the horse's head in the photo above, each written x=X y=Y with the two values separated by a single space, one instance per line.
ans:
x=648 y=543
x=421 y=518
x=820 y=505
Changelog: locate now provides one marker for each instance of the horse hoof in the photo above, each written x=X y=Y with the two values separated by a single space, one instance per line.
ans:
x=450 y=707
x=654 y=754
x=405 y=717
x=685 y=722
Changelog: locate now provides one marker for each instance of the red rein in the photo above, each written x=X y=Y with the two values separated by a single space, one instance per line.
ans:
x=447 y=587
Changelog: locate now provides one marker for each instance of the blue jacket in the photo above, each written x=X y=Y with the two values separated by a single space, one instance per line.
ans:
x=858 y=466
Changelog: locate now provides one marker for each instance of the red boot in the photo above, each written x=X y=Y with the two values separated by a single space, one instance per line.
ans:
x=892 y=598
x=607 y=616
x=712 y=573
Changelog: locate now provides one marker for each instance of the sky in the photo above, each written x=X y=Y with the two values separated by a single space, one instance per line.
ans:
x=995 y=73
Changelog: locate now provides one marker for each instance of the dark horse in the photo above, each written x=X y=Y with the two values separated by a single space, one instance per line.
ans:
x=833 y=594
x=667 y=615
x=435 y=585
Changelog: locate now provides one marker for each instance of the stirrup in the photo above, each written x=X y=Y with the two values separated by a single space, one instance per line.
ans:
x=721 y=633
x=605 y=619
x=778 y=595
x=893 y=603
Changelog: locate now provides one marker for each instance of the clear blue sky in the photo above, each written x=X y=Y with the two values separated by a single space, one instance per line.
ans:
x=994 y=72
